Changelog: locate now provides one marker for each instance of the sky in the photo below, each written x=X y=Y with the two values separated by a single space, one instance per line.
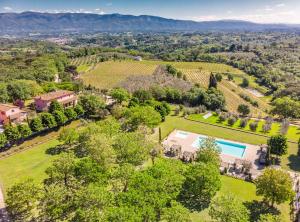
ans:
x=261 y=11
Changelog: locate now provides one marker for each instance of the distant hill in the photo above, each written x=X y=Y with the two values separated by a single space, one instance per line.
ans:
x=32 y=22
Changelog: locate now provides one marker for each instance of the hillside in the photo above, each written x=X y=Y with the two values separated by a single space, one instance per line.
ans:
x=44 y=23
x=110 y=74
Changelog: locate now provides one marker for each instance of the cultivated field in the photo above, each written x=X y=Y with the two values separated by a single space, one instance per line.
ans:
x=108 y=74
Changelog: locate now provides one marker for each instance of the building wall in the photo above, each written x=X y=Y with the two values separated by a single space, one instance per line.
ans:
x=43 y=105
x=5 y=116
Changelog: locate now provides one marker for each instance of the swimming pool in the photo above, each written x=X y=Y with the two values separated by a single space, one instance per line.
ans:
x=228 y=148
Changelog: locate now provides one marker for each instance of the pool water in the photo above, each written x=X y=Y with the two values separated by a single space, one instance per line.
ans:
x=228 y=148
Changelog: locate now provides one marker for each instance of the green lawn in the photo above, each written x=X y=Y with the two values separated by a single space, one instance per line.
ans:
x=29 y=163
x=293 y=133
x=291 y=161
x=83 y=68
x=242 y=190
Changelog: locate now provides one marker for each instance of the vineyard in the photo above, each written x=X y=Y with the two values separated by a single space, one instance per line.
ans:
x=87 y=60
x=230 y=90
x=108 y=74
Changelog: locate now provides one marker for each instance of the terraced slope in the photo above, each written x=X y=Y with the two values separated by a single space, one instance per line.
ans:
x=108 y=74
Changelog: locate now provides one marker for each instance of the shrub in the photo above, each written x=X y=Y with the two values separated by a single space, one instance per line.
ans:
x=12 y=133
x=219 y=77
x=284 y=126
x=36 y=125
x=243 y=109
x=267 y=127
x=48 y=120
x=3 y=140
x=223 y=117
x=232 y=120
x=55 y=106
x=24 y=130
x=230 y=77
x=79 y=110
x=243 y=123
x=177 y=111
x=70 y=114
x=200 y=109
x=253 y=126
x=60 y=118
x=245 y=82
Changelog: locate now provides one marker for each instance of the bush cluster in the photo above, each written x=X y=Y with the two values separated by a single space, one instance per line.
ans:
x=46 y=120
x=248 y=99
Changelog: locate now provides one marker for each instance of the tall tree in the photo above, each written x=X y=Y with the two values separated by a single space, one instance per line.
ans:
x=48 y=120
x=24 y=130
x=277 y=145
x=55 y=106
x=213 y=83
x=22 y=200
x=132 y=148
x=209 y=152
x=36 y=125
x=12 y=133
x=142 y=115
x=275 y=186
x=60 y=117
x=201 y=184
x=91 y=105
x=228 y=209
x=120 y=94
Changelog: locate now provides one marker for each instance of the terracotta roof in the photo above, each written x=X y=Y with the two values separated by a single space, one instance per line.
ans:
x=6 y=107
x=17 y=115
x=54 y=95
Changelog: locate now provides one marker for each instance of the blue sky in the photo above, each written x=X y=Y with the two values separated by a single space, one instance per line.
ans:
x=263 y=11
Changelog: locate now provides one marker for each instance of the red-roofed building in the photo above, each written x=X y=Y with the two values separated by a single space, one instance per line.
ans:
x=11 y=114
x=64 y=97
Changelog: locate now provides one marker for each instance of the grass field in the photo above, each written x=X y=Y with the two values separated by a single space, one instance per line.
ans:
x=293 y=133
x=109 y=74
x=291 y=161
x=245 y=192
x=30 y=163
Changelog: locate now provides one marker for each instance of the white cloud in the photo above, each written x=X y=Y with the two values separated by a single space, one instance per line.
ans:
x=7 y=8
x=99 y=11
x=268 y=9
x=280 y=5
x=260 y=17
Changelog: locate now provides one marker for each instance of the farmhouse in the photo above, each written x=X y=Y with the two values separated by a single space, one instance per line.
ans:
x=11 y=114
x=64 y=97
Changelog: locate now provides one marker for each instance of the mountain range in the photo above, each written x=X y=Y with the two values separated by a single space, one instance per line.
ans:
x=45 y=23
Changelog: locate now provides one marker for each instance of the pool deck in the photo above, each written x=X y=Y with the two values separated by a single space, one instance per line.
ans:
x=186 y=142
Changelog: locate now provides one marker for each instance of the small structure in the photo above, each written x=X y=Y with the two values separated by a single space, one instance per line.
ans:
x=64 y=97
x=175 y=150
x=138 y=58
x=11 y=114
x=188 y=156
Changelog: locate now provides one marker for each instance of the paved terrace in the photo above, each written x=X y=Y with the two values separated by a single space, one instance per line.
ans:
x=251 y=153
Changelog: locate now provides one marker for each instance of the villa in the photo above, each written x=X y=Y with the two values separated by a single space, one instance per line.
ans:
x=184 y=145
x=11 y=114
x=64 y=97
